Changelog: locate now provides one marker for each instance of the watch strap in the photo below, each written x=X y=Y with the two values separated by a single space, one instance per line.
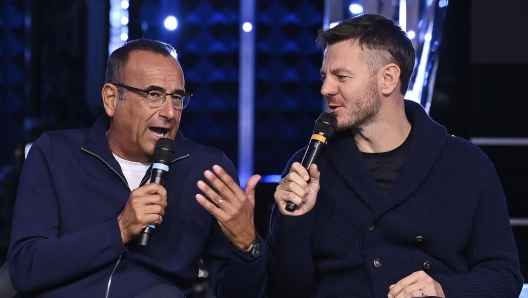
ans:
x=252 y=251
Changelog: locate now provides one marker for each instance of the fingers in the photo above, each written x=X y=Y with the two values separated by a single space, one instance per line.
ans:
x=251 y=185
x=222 y=195
x=230 y=205
x=295 y=187
x=206 y=204
x=295 y=181
x=146 y=205
x=150 y=189
x=404 y=287
x=148 y=213
x=314 y=174
x=149 y=200
x=224 y=188
x=223 y=182
x=300 y=171
x=418 y=284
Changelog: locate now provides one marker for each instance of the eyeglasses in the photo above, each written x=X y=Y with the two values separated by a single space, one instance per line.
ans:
x=155 y=98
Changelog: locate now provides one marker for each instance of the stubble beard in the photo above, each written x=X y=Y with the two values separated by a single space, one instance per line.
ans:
x=366 y=109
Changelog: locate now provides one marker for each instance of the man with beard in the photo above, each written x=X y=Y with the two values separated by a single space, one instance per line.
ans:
x=394 y=206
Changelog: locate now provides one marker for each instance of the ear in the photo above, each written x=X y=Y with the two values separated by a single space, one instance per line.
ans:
x=110 y=97
x=390 y=78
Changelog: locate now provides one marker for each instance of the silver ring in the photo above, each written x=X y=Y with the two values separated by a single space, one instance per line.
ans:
x=221 y=200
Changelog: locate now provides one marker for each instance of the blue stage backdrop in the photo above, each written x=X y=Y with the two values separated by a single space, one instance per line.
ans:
x=287 y=79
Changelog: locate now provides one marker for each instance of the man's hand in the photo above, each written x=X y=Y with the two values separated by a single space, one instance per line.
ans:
x=146 y=205
x=232 y=207
x=298 y=187
x=418 y=284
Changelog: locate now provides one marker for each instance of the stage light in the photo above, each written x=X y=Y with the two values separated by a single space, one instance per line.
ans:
x=271 y=179
x=115 y=18
x=411 y=34
x=332 y=25
x=247 y=27
x=355 y=8
x=119 y=20
x=171 y=23
x=443 y=3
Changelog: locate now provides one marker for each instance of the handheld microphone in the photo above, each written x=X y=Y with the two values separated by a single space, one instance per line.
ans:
x=163 y=154
x=323 y=130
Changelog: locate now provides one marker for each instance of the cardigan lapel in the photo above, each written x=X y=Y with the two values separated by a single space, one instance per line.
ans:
x=426 y=144
x=344 y=157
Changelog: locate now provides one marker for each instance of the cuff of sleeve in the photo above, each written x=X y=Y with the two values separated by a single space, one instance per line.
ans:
x=293 y=223
x=254 y=251
x=294 y=230
x=114 y=237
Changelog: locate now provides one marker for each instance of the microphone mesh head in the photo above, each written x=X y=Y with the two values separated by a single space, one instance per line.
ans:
x=325 y=124
x=164 y=151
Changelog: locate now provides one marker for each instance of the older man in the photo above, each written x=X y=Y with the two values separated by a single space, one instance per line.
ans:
x=85 y=196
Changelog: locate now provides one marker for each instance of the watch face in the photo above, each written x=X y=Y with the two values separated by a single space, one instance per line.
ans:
x=256 y=249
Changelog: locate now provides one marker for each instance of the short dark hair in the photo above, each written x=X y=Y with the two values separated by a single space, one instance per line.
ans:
x=119 y=57
x=375 y=32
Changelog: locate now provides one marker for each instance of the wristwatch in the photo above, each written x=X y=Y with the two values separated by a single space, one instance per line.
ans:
x=252 y=251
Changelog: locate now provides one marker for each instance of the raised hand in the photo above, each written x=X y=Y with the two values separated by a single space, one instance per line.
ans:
x=232 y=207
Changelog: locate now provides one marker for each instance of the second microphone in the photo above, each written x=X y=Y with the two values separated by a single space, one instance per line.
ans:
x=323 y=130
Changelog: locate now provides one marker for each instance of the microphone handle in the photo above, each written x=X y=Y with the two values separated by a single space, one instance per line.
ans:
x=158 y=176
x=310 y=157
x=145 y=234
x=312 y=153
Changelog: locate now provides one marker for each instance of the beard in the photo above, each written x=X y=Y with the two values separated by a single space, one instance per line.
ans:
x=366 y=108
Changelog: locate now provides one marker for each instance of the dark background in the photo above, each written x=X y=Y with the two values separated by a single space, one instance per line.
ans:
x=45 y=75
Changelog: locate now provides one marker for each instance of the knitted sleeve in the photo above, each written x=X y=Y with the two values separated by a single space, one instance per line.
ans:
x=290 y=265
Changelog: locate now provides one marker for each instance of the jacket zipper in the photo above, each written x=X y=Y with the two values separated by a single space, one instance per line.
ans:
x=110 y=278
x=93 y=154
x=124 y=180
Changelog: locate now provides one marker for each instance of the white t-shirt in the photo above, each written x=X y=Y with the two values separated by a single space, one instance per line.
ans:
x=133 y=171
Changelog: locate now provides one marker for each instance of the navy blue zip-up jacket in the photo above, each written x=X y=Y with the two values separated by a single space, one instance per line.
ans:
x=66 y=241
x=446 y=215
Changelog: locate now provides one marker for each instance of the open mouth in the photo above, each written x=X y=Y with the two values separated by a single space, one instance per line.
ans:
x=332 y=107
x=159 y=131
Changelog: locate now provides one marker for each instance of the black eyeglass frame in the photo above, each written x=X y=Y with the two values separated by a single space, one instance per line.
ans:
x=185 y=97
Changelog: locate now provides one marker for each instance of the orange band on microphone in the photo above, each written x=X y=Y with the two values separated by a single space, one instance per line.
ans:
x=319 y=137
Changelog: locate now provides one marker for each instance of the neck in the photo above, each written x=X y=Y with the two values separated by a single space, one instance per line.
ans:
x=388 y=132
x=129 y=153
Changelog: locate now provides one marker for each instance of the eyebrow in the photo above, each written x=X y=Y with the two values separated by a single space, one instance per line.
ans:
x=339 y=70
x=158 y=88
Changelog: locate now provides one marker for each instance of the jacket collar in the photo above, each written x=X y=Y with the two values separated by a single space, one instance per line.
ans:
x=426 y=144
x=97 y=144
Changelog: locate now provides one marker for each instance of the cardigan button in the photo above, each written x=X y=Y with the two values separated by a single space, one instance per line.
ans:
x=418 y=239
x=377 y=263
x=427 y=265
x=372 y=228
